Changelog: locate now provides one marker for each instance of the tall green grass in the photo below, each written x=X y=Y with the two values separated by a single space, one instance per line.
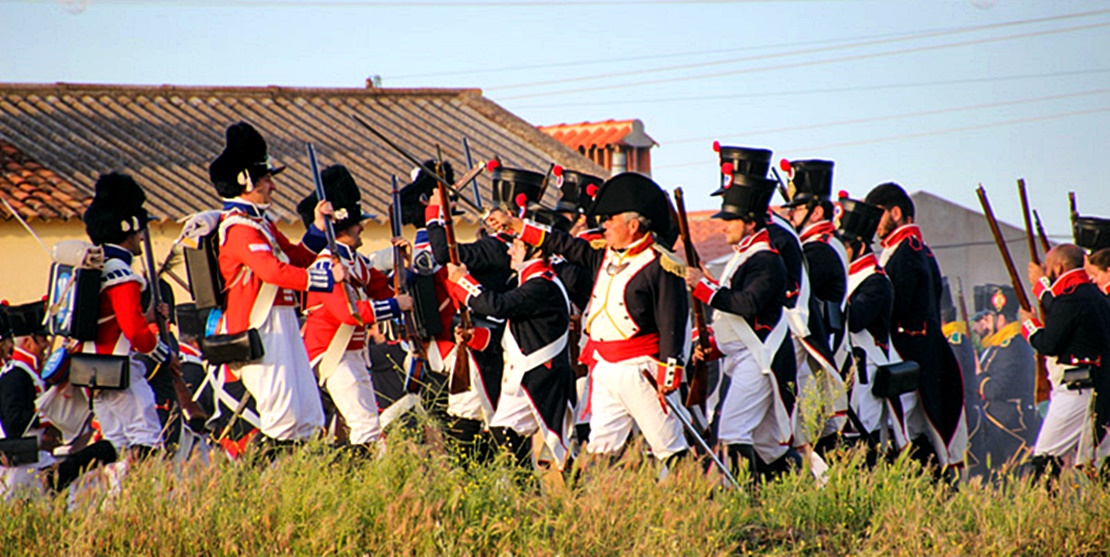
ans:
x=413 y=501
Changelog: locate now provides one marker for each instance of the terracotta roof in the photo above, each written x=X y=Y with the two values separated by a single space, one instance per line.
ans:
x=35 y=191
x=600 y=134
x=166 y=135
x=707 y=236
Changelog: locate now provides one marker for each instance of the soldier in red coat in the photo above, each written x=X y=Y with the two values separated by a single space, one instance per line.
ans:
x=264 y=271
x=334 y=338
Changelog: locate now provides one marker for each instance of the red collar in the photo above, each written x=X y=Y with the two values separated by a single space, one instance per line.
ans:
x=901 y=233
x=188 y=350
x=639 y=246
x=26 y=358
x=759 y=237
x=863 y=262
x=533 y=268
x=818 y=229
x=1105 y=289
x=1067 y=282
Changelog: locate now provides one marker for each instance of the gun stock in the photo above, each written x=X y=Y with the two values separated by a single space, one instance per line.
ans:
x=329 y=231
x=460 y=374
x=699 y=377
x=414 y=376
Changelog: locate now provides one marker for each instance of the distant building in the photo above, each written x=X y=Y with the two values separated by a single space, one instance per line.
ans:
x=617 y=145
x=56 y=139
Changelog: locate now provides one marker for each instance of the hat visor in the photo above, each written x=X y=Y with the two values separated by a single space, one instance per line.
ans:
x=275 y=170
x=725 y=215
x=794 y=203
x=720 y=191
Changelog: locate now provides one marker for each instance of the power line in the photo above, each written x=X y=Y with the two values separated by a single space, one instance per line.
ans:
x=417 y=3
x=808 y=63
x=792 y=92
x=923 y=134
x=595 y=62
x=872 y=119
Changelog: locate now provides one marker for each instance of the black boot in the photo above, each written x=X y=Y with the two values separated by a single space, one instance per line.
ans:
x=464 y=441
x=98 y=454
x=744 y=456
x=520 y=447
x=1047 y=467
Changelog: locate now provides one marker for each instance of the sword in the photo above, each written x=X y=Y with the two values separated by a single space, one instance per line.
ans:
x=697 y=437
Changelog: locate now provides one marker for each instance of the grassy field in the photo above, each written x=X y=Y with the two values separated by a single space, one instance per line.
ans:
x=414 y=501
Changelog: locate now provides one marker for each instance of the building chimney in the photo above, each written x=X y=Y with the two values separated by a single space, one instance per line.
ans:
x=620 y=161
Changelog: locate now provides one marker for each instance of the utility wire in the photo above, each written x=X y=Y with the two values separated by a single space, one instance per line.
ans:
x=872 y=119
x=857 y=44
x=808 y=63
x=921 y=134
x=792 y=92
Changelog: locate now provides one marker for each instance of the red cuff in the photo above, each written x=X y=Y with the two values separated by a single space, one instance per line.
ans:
x=432 y=213
x=668 y=374
x=533 y=234
x=705 y=290
x=480 y=339
x=1029 y=327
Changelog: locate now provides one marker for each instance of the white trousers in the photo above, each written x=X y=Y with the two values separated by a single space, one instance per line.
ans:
x=128 y=417
x=516 y=411
x=352 y=390
x=869 y=408
x=751 y=411
x=282 y=383
x=620 y=396
x=1068 y=416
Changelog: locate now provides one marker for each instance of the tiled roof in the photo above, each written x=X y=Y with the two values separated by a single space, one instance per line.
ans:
x=600 y=134
x=35 y=191
x=707 y=236
x=166 y=135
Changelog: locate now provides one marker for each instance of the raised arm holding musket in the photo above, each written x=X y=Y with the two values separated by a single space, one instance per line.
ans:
x=264 y=271
x=638 y=312
x=334 y=338
x=750 y=331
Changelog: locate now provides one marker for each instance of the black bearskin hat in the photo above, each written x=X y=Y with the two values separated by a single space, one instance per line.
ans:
x=244 y=161
x=344 y=195
x=414 y=196
x=116 y=210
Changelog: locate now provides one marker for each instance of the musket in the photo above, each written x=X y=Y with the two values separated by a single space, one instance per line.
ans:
x=414 y=376
x=1042 y=387
x=963 y=306
x=1015 y=281
x=460 y=374
x=782 y=185
x=1045 y=245
x=194 y=415
x=27 y=226
x=329 y=230
x=468 y=177
x=1074 y=208
x=546 y=181
x=699 y=378
x=473 y=181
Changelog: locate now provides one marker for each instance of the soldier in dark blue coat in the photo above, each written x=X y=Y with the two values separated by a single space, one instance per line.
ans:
x=935 y=419
x=1076 y=332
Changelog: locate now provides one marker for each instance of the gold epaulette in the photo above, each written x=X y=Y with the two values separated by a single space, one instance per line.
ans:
x=597 y=243
x=1004 y=335
x=955 y=331
x=669 y=261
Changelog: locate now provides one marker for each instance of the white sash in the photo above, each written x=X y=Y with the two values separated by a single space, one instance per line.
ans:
x=863 y=339
x=732 y=330
x=516 y=362
x=798 y=316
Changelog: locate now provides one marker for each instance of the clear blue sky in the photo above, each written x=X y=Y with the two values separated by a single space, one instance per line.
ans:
x=938 y=95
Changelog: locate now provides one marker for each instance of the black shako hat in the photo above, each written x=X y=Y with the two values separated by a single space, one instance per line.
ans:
x=810 y=180
x=514 y=188
x=415 y=194
x=745 y=196
x=344 y=195
x=243 y=162
x=578 y=191
x=858 y=220
x=1091 y=233
x=634 y=192
x=996 y=298
x=752 y=161
x=27 y=319
x=116 y=210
